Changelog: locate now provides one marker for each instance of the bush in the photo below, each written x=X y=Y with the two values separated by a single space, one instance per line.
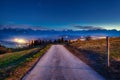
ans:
x=3 y=50
x=88 y=38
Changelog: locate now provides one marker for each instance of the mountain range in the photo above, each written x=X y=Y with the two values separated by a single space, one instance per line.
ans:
x=9 y=33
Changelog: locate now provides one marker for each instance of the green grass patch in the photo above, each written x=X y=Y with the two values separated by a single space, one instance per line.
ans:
x=25 y=65
x=9 y=61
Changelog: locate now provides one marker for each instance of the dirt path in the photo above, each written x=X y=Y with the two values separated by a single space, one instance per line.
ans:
x=59 y=64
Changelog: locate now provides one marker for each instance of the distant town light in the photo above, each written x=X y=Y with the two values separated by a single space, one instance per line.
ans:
x=20 y=40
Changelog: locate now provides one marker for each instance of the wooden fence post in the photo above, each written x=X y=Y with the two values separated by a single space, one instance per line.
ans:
x=108 y=51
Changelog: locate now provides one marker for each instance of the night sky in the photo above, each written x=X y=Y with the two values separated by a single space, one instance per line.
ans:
x=61 y=14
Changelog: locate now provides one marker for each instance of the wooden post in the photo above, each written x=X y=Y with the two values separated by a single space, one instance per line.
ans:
x=108 y=51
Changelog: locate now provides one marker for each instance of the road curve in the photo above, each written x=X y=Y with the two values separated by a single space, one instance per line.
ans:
x=59 y=64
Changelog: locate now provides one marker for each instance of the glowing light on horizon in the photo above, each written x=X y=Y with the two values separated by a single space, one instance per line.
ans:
x=20 y=40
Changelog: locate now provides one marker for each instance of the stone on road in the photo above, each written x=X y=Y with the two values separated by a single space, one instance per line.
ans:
x=60 y=64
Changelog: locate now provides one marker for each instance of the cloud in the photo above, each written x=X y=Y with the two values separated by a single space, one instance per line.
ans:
x=12 y=26
x=89 y=27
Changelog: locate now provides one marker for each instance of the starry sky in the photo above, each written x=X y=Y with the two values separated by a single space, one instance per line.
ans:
x=61 y=14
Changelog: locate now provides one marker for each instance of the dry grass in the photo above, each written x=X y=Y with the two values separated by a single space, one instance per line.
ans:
x=99 y=46
x=93 y=52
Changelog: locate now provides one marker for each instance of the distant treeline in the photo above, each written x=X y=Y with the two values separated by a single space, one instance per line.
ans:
x=33 y=43
x=39 y=42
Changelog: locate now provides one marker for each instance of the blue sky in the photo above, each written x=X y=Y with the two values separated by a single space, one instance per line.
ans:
x=61 y=14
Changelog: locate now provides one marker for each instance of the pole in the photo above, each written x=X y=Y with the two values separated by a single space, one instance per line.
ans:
x=108 y=51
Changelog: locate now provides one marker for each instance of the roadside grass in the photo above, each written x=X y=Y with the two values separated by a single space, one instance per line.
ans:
x=8 y=58
x=93 y=52
x=99 y=46
x=115 y=48
x=20 y=70
x=9 y=61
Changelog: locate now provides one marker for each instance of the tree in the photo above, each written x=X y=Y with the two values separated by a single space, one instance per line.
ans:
x=88 y=38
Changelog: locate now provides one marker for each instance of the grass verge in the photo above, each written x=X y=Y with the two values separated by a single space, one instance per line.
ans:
x=93 y=53
x=14 y=69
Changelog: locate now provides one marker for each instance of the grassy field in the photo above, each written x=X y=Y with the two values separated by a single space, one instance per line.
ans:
x=14 y=65
x=93 y=52
x=99 y=46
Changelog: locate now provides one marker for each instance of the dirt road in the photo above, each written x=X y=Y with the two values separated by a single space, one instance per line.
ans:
x=59 y=64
